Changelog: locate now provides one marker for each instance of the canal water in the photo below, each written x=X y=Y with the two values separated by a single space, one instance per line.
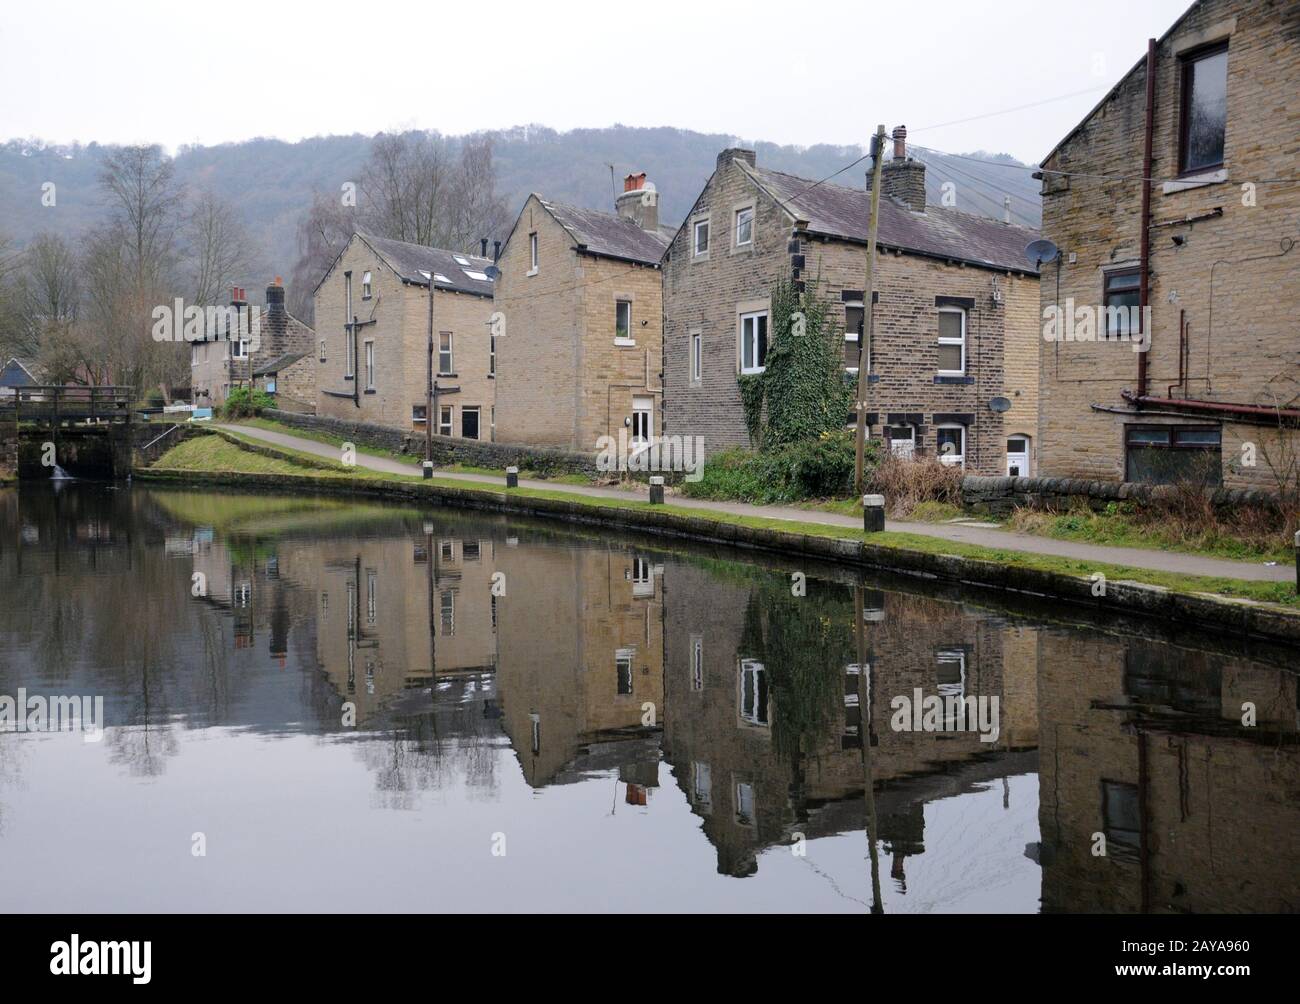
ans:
x=326 y=705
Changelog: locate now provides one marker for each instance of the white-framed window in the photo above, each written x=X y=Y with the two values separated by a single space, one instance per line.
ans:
x=702 y=786
x=372 y=596
x=447 y=612
x=239 y=348
x=853 y=318
x=623 y=670
x=902 y=441
x=744 y=232
x=445 y=361
x=950 y=444
x=419 y=414
x=643 y=419
x=469 y=422
x=745 y=803
x=322 y=350
x=697 y=662
x=753 y=692
x=697 y=356
x=350 y=355
x=700 y=238
x=492 y=354
x=623 y=321
x=643 y=581
x=365 y=286
x=370 y=364
x=444 y=420
x=194 y=355
x=532 y=254
x=952 y=341
x=753 y=342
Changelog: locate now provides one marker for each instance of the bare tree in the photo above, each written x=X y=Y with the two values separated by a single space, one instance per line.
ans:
x=145 y=203
x=217 y=247
x=323 y=232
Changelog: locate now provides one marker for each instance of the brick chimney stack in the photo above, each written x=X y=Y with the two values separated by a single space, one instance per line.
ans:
x=276 y=322
x=902 y=178
x=639 y=202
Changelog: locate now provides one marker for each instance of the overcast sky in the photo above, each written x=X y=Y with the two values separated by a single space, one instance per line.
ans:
x=815 y=71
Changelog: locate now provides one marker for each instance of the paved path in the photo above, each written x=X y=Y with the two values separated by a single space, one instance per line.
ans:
x=1162 y=561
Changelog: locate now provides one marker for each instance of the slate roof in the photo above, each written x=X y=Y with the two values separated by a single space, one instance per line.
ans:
x=415 y=263
x=278 y=364
x=16 y=373
x=608 y=234
x=835 y=211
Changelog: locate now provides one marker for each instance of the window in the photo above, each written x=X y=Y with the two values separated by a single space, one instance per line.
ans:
x=753 y=692
x=643 y=583
x=350 y=362
x=950 y=672
x=753 y=342
x=372 y=596
x=952 y=341
x=419 y=414
x=697 y=356
x=1205 y=110
x=853 y=321
x=1120 y=820
x=532 y=254
x=950 y=441
x=447 y=611
x=239 y=348
x=902 y=441
x=365 y=285
x=444 y=420
x=470 y=550
x=370 y=365
x=1168 y=454
x=445 y=367
x=622 y=320
x=469 y=422
x=322 y=350
x=623 y=670
x=744 y=803
x=700 y=238
x=697 y=662
x=1123 y=294
x=744 y=227
x=702 y=786
x=492 y=355
x=447 y=549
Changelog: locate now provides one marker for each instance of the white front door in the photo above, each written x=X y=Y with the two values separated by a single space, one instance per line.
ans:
x=643 y=419
x=1018 y=457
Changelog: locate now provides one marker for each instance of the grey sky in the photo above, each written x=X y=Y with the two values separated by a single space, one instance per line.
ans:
x=819 y=71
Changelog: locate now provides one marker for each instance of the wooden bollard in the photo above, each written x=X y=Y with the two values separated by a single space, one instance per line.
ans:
x=657 y=490
x=873 y=513
x=428 y=469
x=512 y=477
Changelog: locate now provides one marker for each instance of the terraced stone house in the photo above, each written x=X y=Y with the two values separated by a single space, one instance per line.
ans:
x=581 y=305
x=372 y=322
x=1208 y=245
x=955 y=314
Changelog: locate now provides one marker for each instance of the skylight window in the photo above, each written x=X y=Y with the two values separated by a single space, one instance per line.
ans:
x=441 y=278
x=461 y=260
x=474 y=274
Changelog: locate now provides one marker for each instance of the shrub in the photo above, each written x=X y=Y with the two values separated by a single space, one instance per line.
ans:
x=809 y=469
x=908 y=482
x=243 y=403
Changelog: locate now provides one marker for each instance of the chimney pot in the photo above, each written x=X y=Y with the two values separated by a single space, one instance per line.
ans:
x=634 y=182
x=496 y=251
x=482 y=247
x=900 y=143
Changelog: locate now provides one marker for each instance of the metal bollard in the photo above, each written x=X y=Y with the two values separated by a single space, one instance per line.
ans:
x=657 y=490
x=873 y=513
x=512 y=477
x=428 y=469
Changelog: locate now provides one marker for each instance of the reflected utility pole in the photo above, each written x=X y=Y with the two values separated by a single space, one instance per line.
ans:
x=864 y=734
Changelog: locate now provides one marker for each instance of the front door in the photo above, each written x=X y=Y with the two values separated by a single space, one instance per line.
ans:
x=1018 y=457
x=643 y=423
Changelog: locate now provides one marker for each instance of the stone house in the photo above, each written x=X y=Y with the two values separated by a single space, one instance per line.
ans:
x=1208 y=246
x=582 y=312
x=283 y=343
x=16 y=373
x=955 y=322
x=372 y=320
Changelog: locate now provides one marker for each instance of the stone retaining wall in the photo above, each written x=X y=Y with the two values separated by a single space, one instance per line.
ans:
x=447 y=450
x=1000 y=495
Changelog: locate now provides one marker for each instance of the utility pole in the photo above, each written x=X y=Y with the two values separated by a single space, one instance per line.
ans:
x=864 y=343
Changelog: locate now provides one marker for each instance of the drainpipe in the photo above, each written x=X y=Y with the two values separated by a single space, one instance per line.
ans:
x=1145 y=283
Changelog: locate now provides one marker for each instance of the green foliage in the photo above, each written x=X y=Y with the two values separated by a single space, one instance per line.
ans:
x=243 y=403
x=809 y=469
x=751 y=398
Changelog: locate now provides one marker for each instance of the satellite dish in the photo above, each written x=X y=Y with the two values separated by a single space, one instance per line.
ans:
x=999 y=404
x=492 y=272
x=1040 y=251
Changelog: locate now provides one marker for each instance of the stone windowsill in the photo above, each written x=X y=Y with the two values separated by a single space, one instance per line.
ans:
x=1196 y=181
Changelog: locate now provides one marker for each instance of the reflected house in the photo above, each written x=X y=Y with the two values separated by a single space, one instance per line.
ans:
x=397 y=614
x=581 y=677
x=758 y=762
x=1165 y=772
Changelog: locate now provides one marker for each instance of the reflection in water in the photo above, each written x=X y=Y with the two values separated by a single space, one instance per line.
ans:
x=370 y=707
